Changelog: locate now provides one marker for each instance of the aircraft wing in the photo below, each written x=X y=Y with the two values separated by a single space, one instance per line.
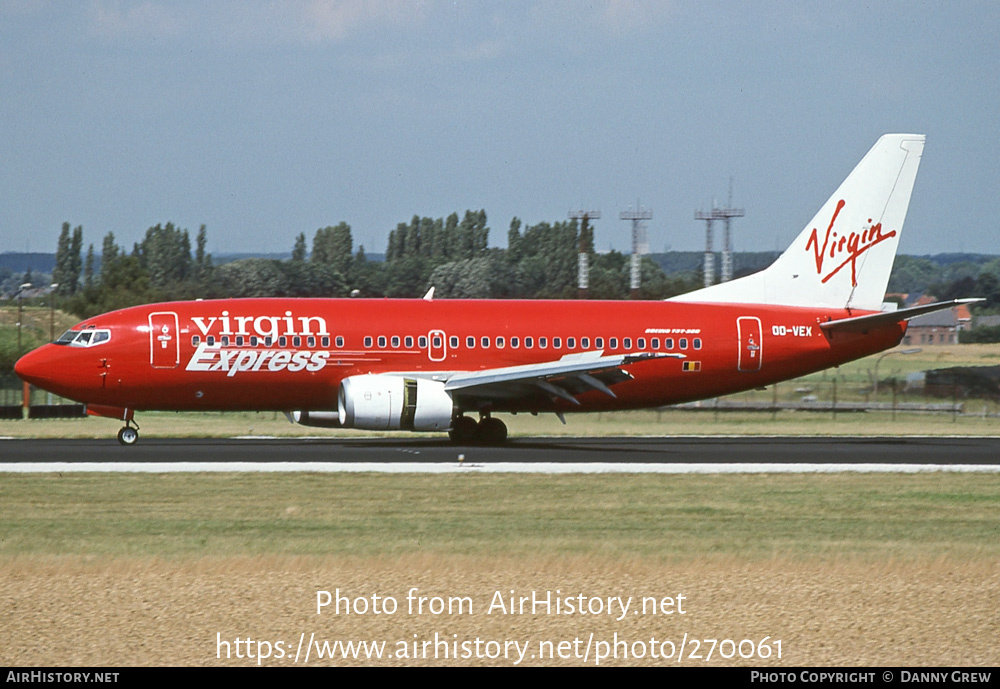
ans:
x=563 y=378
x=865 y=323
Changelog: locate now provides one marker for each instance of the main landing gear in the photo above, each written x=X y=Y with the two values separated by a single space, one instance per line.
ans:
x=128 y=435
x=489 y=431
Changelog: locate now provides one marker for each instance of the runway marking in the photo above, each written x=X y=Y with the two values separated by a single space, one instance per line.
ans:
x=486 y=468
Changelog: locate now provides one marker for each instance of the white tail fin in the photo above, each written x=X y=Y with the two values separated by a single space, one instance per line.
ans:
x=842 y=259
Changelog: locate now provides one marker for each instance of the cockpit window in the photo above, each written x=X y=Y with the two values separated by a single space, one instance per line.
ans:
x=85 y=338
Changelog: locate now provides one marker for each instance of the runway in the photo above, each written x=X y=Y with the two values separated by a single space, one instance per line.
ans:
x=546 y=455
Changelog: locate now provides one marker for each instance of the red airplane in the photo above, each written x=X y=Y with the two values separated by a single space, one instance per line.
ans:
x=429 y=365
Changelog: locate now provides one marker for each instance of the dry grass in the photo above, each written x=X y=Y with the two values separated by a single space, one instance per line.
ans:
x=88 y=611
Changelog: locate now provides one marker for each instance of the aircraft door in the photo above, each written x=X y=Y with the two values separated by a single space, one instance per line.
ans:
x=437 y=347
x=164 y=343
x=750 y=354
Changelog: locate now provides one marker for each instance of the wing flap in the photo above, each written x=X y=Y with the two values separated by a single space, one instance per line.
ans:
x=564 y=378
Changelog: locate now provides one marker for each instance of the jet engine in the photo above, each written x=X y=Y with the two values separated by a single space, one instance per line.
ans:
x=318 y=419
x=387 y=403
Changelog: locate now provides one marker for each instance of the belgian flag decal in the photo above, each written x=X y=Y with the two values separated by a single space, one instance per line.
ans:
x=691 y=366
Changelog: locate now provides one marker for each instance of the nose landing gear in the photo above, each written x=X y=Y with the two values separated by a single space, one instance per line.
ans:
x=128 y=435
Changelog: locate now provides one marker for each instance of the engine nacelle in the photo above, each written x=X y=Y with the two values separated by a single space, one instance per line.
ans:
x=318 y=419
x=390 y=403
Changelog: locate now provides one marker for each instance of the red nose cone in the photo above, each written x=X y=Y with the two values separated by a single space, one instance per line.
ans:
x=33 y=368
x=30 y=368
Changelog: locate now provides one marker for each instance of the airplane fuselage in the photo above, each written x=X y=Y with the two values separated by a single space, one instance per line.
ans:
x=293 y=354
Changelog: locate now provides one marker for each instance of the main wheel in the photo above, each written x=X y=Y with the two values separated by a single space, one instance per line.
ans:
x=491 y=431
x=128 y=435
x=463 y=430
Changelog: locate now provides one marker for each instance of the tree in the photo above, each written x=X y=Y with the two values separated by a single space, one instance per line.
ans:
x=514 y=240
x=202 y=259
x=299 y=252
x=165 y=252
x=334 y=246
x=109 y=252
x=75 y=260
x=63 y=270
x=88 y=269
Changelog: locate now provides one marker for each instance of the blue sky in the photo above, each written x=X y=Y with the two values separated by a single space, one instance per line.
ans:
x=266 y=119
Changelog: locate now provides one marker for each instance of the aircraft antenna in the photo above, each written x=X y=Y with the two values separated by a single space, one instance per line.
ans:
x=640 y=244
x=586 y=248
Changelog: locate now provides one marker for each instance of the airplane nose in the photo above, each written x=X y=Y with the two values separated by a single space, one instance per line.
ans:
x=34 y=368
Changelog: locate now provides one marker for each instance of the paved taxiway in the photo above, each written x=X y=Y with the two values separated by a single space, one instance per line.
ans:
x=677 y=454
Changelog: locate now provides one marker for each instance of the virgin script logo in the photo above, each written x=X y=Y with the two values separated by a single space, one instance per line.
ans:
x=844 y=248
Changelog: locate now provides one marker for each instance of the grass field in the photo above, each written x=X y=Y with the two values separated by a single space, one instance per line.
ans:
x=656 y=517
x=843 y=570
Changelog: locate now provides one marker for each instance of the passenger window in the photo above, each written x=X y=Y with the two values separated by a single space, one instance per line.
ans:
x=395 y=341
x=697 y=343
x=422 y=341
x=641 y=343
x=499 y=343
x=311 y=341
x=470 y=342
x=556 y=342
x=613 y=343
x=668 y=343
x=381 y=341
x=627 y=343
x=194 y=340
x=514 y=342
x=684 y=343
x=571 y=343
x=282 y=341
x=485 y=342
x=529 y=342
x=409 y=341
x=453 y=342
x=368 y=340
x=656 y=343
x=543 y=342
x=239 y=340
x=585 y=342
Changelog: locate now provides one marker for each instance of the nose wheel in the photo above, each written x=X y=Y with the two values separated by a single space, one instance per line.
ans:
x=128 y=435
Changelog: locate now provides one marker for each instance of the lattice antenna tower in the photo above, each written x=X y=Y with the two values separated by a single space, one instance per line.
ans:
x=726 y=215
x=583 y=259
x=709 y=264
x=640 y=243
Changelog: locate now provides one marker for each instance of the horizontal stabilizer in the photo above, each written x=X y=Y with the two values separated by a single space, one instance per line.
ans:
x=862 y=323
